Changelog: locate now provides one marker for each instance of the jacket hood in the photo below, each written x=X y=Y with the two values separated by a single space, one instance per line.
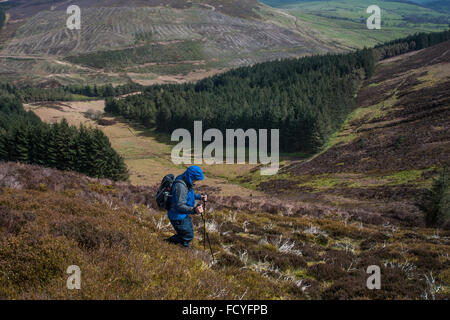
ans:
x=193 y=173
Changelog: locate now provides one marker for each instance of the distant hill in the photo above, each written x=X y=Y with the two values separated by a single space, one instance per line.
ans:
x=26 y=8
x=439 y=5
x=148 y=42
x=345 y=20
x=138 y=40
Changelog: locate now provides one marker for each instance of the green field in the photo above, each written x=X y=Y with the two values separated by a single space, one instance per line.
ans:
x=345 y=20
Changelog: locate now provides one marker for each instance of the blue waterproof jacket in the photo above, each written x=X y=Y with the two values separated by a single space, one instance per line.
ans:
x=183 y=195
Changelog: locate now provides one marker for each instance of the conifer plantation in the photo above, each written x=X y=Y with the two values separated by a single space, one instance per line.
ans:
x=24 y=138
x=308 y=99
x=69 y=93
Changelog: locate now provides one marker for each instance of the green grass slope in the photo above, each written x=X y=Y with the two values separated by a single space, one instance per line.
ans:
x=345 y=20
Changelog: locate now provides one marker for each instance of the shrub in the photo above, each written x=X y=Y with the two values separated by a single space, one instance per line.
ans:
x=398 y=142
x=347 y=288
x=12 y=222
x=93 y=114
x=88 y=236
x=106 y=122
x=279 y=260
x=326 y=272
x=84 y=233
x=225 y=260
x=435 y=203
x=27 y=262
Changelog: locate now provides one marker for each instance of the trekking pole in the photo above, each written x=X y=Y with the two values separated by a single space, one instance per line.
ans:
x=206 y=235
x=204 y=232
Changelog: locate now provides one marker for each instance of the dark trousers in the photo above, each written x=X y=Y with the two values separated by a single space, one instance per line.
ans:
x=185 y=232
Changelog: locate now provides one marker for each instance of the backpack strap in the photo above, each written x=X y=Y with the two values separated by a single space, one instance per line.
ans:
x=182 y=180
x=179 y=180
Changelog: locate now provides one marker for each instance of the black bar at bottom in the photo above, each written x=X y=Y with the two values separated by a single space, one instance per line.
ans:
x=249 y=310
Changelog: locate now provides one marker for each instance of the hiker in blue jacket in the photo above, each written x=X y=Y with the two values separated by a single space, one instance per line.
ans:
x=183 y=205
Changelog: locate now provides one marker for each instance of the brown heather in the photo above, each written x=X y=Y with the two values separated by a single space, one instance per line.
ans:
x=50 y=220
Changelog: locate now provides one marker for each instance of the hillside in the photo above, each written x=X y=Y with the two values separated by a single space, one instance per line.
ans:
x=308 y=233
x=178 y=41
x=50 y=220
x=345 y=20
x=388 y=149
x=441 y=5
x=143 y=40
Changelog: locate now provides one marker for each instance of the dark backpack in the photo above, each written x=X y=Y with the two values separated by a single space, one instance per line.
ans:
x=164 y=195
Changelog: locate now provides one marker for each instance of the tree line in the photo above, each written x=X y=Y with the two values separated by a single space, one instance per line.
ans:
x=25 y=138
x=4 y=6
x=147 y=53
x=410 y=43
x=308 y=99
x=2 y=17
x=69 y=93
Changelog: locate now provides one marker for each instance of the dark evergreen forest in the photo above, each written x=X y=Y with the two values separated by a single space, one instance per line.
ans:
x=308 y=99
x=24 y=138
x=411 y=43
x=69 y=93
x=271 y=95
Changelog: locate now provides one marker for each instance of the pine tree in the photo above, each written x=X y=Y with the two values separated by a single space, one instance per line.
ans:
x=52 y=158
x=82 y=142
x=63 y=141
x=20 y=140
x=435 y=203
x=4 y=153
x=109 y=91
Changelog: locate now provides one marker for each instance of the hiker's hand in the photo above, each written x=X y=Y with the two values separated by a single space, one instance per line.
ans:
x=199 y=209
x=204 y=197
